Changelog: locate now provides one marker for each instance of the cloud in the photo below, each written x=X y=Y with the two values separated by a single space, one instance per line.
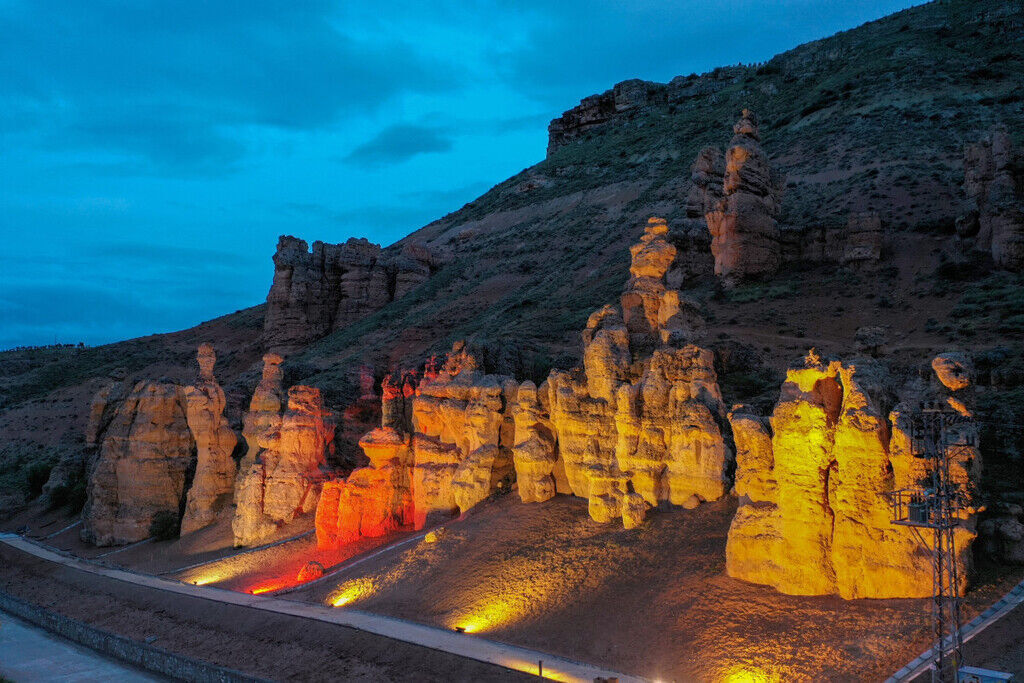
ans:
x=398 y=143
x=175 y=82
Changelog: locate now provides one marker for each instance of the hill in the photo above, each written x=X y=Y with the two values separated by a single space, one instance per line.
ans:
x=871 y=119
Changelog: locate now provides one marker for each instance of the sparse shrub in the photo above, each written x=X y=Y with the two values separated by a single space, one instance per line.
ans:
x=35 y=478
x=165 y=525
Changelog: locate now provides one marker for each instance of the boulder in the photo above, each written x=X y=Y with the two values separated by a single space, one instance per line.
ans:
x=214 y=481
x=144 y=459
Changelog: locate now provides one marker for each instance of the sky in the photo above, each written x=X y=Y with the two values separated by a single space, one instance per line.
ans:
x=151 y=152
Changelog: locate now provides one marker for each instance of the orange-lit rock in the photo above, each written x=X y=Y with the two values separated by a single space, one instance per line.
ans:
x=213 y=484
x=744 y=233
x=813 y=518
x=144 y=455
x=285 y=480
x=373 y=500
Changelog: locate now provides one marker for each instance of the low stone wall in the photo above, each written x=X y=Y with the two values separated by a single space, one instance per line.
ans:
x=123 y=649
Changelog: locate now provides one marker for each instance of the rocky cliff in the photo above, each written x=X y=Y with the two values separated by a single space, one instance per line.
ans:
x=994 y=189
x=327 y=288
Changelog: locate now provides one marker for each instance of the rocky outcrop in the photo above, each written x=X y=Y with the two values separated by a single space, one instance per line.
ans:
x=145 y=455
x=744 y=232
x=328 y=288
x=994 y=189
x=214 y=481
x=813 y=518
x=863 y=239
x=463 y=433
x=372 y=501
x=264 y=414
x=633 y=97
x=640 y=423
x=284 y=481
x=534 y=454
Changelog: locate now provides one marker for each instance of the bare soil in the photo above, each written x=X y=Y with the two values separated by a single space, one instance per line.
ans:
x=653 y=601
x=263 y=644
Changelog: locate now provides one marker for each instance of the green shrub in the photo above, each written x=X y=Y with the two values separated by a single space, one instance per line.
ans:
x=165 y=525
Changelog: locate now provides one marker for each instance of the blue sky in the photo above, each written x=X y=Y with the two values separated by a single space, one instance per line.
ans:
x=152 y=152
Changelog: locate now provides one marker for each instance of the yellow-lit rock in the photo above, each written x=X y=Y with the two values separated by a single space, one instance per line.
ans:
x=534 y=452
x=814 y=519
x=264 y=414
x=214 y=481
x=462 y=436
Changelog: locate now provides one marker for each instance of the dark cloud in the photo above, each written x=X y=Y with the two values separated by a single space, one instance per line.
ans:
x=171 y=81
x=398 y=143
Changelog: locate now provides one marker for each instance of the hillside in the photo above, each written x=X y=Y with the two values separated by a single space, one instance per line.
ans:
x=871 y=119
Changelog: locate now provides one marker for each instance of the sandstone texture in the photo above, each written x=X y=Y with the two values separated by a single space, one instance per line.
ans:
x=994 y=190
x=813 y=518
x=863 y=239
x=264 y=414
x=743 y=227
x=641 y=423
x=214 y=481
x=327 y=288
x=144 y=459
x=285 y=479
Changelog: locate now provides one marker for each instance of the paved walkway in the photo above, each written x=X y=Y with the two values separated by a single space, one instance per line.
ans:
x=31 y=654
x=923 y=662
x=461 y=644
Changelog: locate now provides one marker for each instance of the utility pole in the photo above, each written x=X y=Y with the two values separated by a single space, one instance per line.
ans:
x=936 y=435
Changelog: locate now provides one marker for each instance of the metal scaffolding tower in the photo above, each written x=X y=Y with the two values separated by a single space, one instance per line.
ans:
x=936 y=436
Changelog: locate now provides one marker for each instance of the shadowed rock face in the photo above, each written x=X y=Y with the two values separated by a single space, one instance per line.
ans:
x=144 y=457
x=813 y=518
x=284 y=481
x=214 y=480
x=994 y=187
x=316 y=292
x=744 y=232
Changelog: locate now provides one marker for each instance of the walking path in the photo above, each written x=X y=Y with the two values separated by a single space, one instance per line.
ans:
x=923 y=662
x=31 y=654
x=461 y=644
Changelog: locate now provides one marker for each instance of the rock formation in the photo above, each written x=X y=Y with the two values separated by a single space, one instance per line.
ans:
x=863 y=239
x=744 y=233
x=462 y=436
x=214 y=480
x=639 y=424
x=264 y=413
x=813 y=518
x=284 y=481
x=143 y=465
x=994 y=187
x=328 y=288
x=373 y=500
